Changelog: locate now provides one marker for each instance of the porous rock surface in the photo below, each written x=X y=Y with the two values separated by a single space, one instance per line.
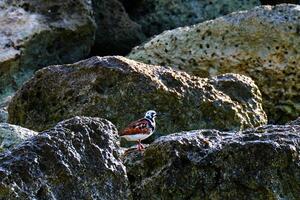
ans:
x=37 y=33
x=261 y=163
x=159 y=15
x=11 y=135
x=77 y=159
x=122 y=90
x=262 y=43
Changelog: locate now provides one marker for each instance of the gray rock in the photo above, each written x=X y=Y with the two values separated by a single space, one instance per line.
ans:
x=12 y=135
x=77 y=159
x=3 y=109
x=121 y=90
x=37 y=33
x=260 y=163
x=3 y=115
x=262 y=43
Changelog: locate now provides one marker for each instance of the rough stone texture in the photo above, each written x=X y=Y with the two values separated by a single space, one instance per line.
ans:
x=116 y=32
x=11 y=135
x=36 y=33
x=121 y=90
x=77 y=159
x=295 y=122
x=261 y=163
x=262 y=43
x=156 y=16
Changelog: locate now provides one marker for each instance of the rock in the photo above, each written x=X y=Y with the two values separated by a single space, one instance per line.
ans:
x=295 y=122
x=77 y=159
x=260 y=163
x=12 y=135
x=35 y=33
x=3 y=109
x=122 y=90
x=157 y=16
x=262 y=43
x=116 y=32
x=3 y=115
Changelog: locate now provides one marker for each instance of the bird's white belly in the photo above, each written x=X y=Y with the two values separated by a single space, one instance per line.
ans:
x=136 y=137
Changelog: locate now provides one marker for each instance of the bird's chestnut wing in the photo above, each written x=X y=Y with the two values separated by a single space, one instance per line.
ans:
x=137 y=127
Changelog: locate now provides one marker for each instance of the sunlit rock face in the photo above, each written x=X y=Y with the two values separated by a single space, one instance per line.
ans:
x=11 y=135
x=262 y=43
x=260 y=163
x=77 y=159
x=122 y=90
x=36 y=33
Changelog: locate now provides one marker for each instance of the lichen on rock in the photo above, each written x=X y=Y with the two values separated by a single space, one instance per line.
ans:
x=262 y=43
x=121 y=90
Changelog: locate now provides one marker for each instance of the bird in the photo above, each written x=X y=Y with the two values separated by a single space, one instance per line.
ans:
x=140 y=129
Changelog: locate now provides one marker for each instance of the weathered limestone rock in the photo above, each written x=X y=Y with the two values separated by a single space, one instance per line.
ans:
x=121 y=90
x=159 y=15
x=11 y=135
x=262 y=43
x=36 y=33
x=77 y=159
x=260 y=163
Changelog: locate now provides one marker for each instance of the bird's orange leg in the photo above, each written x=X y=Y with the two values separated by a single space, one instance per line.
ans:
x=140 y=147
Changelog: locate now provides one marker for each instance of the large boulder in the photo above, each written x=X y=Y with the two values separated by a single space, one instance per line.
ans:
x=159 y=15
x=37 y=33
x=77 y=159
x=261 y=163
x=262 y=43
x=121 y=90
x=11 y=135
x=123 y=24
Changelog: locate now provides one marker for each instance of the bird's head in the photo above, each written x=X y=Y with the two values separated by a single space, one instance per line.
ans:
x=150 y=114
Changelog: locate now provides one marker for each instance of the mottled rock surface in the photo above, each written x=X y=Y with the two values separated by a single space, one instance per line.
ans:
x=77 y=159
x=261 y=163
x=121 y=90
x=37 y=33
x=159 y=15
x=11 y=135
x=116 y=33
x=262 y=43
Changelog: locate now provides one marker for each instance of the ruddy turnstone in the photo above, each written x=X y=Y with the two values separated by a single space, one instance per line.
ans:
x=140 y=129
